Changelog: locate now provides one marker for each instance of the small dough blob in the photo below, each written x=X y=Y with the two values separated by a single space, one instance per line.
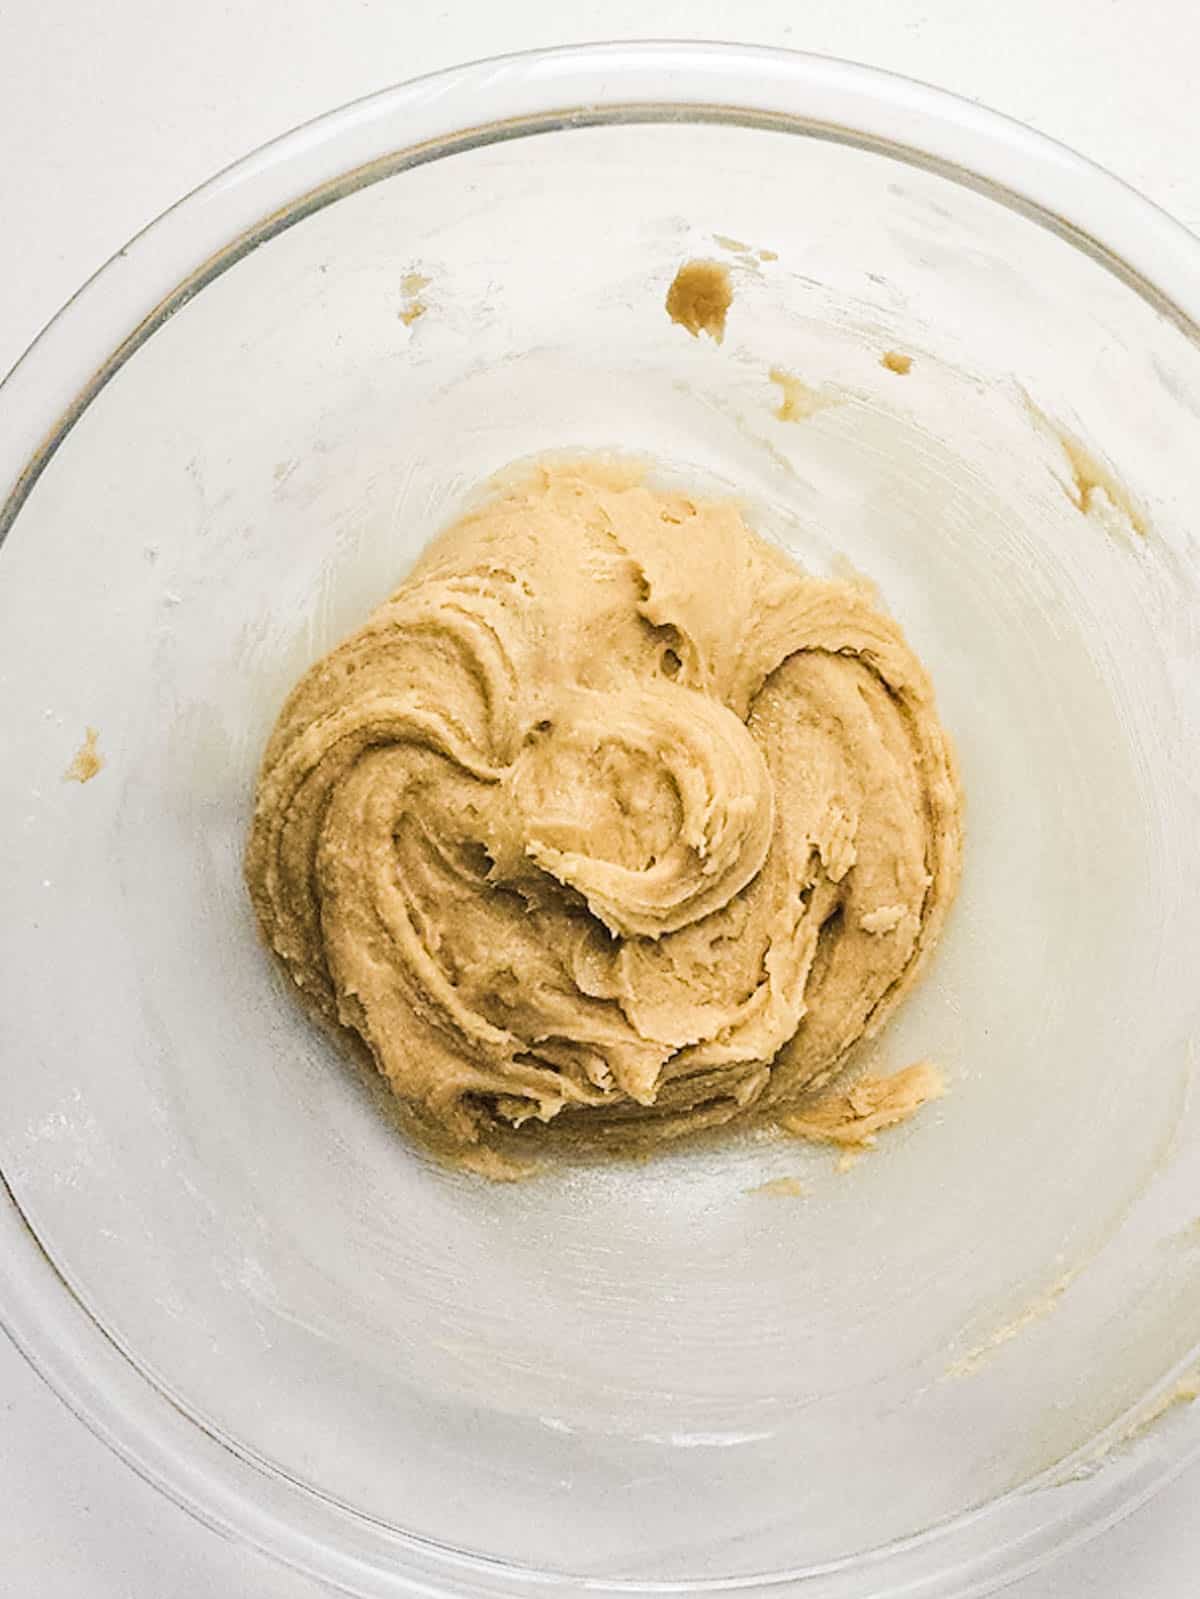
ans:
x=699 y=298
x=610 y=822
x=87 y=761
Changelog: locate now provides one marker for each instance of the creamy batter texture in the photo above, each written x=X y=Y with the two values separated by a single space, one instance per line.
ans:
x=610 y=822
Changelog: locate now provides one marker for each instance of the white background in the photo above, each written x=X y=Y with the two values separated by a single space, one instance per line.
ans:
x=109 y=113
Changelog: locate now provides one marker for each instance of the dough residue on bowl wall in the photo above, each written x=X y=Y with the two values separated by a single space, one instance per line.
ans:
x=699 y=298
x=1040 y=1306
x=852 y=1118
x=781 y=1188
x=412 y=285
x=1091 y=478
x=1092 y=486
x=798 y=400
x=87 y=761
x=1145 y=1419
x=748 y=253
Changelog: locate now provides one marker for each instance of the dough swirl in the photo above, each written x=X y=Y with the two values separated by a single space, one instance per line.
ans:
x=610 y=818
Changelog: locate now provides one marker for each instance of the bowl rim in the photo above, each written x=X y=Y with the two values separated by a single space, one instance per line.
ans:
x=173 y=259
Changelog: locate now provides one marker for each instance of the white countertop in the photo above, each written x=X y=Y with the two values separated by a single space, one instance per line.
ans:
x=96 y=141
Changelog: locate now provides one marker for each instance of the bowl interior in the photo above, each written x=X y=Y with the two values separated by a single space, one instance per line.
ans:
x=651 y=1372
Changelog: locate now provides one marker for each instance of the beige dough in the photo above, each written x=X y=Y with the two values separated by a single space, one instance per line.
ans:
x=854 y=1117
x=699 y=298
x=611 y=821
x=87 y=761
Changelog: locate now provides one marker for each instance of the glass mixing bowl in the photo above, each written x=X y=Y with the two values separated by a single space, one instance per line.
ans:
x=922 y=1375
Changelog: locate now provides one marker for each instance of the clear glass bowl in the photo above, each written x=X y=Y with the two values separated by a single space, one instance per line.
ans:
x=922 y=1376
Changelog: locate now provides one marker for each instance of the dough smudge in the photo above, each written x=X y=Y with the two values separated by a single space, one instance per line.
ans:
x=87 y=761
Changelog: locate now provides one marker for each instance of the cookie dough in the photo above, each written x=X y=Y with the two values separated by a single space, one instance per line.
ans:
x=611 y=821
x=87 y=761
x=699 y=298
x=797 y=401
x=854 y=1117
